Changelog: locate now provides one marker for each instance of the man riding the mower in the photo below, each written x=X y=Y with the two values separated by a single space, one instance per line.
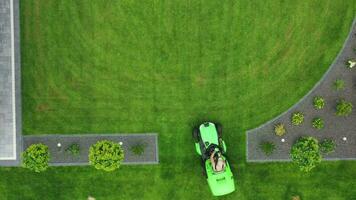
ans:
x=211 y=147
x=217 y=161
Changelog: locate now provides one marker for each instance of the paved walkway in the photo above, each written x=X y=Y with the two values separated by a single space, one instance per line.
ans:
x=10 y=133
x=59 y=157
x=335 y=127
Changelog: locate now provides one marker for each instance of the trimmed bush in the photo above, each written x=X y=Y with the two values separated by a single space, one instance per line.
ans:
x=305 y=153
x=319 y=103
x=106 y=155
x=297 y=118
x=343 y=108
x=339 y=84
x=267 y=148
x=327 y=146
x=318 y=123
x=73 y=149
x=138 y=149
x=36 y=158
x=279 y=129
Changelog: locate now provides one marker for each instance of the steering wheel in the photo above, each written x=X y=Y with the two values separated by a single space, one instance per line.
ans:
x=212 y=148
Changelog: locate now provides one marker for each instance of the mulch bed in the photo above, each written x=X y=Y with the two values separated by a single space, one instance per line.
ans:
x=336 y=127
x=60 y=157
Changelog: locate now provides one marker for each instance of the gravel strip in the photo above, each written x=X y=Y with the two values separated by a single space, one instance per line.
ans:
x=335 y=127
x=59 y=156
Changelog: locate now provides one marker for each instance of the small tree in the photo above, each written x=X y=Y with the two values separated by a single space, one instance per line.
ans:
x=296 y=197
x=279 y=129
x=297 y=118
x=343 y=108
x=318 y=123
x=73 y=149
x=106 y=155
x=36 y=157
x=327 y=146
x=351 y=63
x=305 y=153
x=267 y=148
x=339 y=84
x=138 y=149
x=319 y=103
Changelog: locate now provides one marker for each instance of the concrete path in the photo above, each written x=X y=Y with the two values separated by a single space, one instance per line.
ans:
x=10 y=94
x=59 y=157
x=336 y=127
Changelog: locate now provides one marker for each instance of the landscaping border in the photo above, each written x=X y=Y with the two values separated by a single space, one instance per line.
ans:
x=59 y=157
x=266 y=128
x=16 y=59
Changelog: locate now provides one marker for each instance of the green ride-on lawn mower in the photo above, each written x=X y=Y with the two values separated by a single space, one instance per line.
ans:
x=210 y=146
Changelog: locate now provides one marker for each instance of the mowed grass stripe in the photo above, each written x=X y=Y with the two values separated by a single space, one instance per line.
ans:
x=163 y=66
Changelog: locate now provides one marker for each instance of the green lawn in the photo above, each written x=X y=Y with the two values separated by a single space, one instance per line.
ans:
x=163 y=66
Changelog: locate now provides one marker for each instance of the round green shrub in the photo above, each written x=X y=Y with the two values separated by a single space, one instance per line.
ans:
x=36 y=157
x=318 y=123
x=279 y=129
x=319 y=103
x=267 y=148
x=106 y=155
x=305 y=153
x=339 y=84
x=343 y=108
x=327 y=146
x=297 y=118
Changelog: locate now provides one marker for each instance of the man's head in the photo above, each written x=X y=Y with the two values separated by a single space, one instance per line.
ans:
x=217 y=154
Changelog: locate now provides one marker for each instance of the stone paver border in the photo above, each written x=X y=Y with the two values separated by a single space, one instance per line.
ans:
x=16 y=81
x=60 y=158
x=336 y=70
